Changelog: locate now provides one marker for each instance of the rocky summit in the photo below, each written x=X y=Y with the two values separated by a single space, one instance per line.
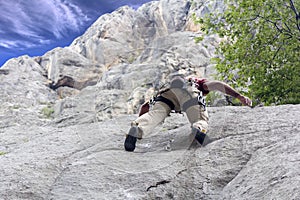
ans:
x=64 y=116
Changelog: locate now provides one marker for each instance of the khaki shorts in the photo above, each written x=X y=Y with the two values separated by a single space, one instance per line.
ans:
x=196 y=114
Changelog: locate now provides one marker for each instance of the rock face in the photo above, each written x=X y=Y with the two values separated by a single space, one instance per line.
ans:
x=64 y=116
x=255 y=155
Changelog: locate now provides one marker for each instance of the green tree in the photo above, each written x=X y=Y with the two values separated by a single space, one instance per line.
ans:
x=260 y=50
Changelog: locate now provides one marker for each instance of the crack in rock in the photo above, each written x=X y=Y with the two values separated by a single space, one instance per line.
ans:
x=157 y=184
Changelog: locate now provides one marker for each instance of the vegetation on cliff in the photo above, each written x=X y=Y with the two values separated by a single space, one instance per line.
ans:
x=261 y=48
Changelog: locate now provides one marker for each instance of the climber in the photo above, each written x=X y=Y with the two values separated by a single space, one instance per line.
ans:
x=182 y=95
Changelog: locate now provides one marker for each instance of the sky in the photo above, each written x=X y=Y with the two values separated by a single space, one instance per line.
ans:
x=37 y=26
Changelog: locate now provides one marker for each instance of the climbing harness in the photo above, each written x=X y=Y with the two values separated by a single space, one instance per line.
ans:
x=201 y=100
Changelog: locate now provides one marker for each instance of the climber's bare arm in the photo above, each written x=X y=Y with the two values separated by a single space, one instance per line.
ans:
x=226 y=89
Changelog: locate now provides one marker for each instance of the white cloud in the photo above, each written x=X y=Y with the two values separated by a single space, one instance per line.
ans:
x=8 y=44
x=62 y=17
x=38 y=21
x=20 y=44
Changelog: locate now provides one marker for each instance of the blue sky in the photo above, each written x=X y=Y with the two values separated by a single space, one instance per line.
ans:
x=37 y=26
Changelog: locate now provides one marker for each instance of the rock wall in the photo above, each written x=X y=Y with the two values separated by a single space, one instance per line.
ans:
x=255 y=155
x=114 y=55
x=127 y=44
x=64 y=115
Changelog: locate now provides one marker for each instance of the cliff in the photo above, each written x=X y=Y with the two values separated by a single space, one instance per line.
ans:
x=64 y=116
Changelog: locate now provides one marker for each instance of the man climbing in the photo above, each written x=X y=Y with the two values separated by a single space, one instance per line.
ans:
x=183 y=95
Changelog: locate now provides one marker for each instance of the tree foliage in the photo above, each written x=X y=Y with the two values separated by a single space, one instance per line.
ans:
x=260 y=50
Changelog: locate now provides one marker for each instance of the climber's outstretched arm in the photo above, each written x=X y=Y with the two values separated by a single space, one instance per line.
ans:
x=226 y=89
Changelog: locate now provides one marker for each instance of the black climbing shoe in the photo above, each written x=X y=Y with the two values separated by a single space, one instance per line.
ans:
x=201 y=137
x=129 y=143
